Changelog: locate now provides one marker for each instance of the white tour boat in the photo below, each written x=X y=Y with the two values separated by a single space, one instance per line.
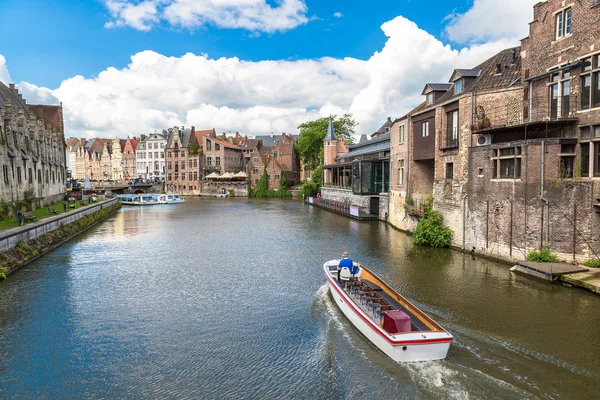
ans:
x=174 y=199
x=388 y=320
x=140 y=199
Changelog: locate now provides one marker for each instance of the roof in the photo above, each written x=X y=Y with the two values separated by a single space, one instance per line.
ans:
x=487 y=79
x=330 y=131
x=7 y=93
x=184 y=137
x=436 y=87
x=225 y=144
x=72 y=143
x=377 y=145
x=384 y=128
x=50 y=114
x=465 y=73
x=269 y=140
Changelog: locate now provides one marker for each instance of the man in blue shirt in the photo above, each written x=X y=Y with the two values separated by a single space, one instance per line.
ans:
x=345 y=262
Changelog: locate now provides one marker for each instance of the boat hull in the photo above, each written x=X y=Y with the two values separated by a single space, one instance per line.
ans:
x=407 y=347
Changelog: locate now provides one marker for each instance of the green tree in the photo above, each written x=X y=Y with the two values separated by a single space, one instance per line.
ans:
x=312 y=133
x=262 y=187
x=194 y=148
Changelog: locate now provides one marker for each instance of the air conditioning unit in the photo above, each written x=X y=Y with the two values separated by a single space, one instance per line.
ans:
x=483 y=140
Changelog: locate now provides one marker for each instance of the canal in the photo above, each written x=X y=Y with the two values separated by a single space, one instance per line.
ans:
x=225 y=299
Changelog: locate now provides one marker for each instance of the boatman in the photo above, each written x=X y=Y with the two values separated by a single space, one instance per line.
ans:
x=346 y=262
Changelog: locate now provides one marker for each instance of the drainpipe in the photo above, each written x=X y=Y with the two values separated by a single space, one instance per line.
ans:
x=408 y=135
x=464 y=205
x=543 y=196
x=530 y=101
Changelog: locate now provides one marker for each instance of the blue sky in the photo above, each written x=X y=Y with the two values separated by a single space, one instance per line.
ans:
x=126 y=67
x=63 y=38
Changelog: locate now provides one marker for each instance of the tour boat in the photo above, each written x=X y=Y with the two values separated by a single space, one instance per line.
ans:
x=140 y=199
x=388 y=320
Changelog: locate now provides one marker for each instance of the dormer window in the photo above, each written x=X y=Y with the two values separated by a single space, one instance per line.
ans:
x=563 y=23
x=458 y=86
x=429 y=98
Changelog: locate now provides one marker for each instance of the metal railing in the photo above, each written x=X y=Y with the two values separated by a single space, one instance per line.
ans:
x=496 y=114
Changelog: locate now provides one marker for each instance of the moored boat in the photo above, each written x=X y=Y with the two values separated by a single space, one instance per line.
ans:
x=391 y=322
x=140 y=199
x=174 y=199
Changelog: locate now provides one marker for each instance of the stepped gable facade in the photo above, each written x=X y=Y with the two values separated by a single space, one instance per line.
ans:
x=32 y=148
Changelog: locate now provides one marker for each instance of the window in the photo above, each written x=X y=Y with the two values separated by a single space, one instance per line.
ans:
x=567 y=161
x=401 y=136
x=162 y=154
x=507 y=163
x=190 y=163
x=5 y=173
x=217 y=147
x=596 y=158
x=275 y=154
x=563 y=23
x=156 y=154
x=208 y=160
x=458 y=86
x=19 y=175
x=208 y=145
x=169 y=165
x=162 y=145
x=218 y=161
x=182 y=164
x=560 y=95
x=150 y=155
x=424 y=129
x=255 y=171
x=452 y=129
x=195 y=163
x=30 y=175
x=429 y=98
x=590 y=83
x=450 y=170
x=400 y=172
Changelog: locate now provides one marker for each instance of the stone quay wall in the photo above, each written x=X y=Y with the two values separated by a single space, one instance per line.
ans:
x=11 y=237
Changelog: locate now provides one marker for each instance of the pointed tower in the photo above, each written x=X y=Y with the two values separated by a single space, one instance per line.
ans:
x=330 y=146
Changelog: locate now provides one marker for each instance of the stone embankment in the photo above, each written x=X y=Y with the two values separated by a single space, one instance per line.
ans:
x=20 y=246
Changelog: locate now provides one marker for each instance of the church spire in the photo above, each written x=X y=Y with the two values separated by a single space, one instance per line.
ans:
x=330 y=131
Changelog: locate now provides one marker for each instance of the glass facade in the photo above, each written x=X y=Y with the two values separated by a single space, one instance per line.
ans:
x=371 y=177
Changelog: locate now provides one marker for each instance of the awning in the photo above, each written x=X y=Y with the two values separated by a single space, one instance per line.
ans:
x=226 y=175
x=240 y=174
x=212 y=176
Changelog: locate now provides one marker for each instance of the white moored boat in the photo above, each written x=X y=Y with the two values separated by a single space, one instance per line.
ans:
x=387 y=319
x=140 y=199
x=173 y=199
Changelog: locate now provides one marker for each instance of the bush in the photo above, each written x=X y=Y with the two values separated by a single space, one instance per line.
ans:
x=544 y=255
x=431 y=232
x=592 y=263
x=310 y=189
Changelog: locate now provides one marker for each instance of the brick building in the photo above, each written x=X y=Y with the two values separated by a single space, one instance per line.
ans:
x=183 y=161
x=128 y=161
x=32 y=151
x=514 y=161
x=281 y=160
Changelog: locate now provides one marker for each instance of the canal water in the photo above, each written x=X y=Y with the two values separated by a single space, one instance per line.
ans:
x=225 y=299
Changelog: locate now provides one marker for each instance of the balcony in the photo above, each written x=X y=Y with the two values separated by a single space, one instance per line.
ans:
x=508 y=113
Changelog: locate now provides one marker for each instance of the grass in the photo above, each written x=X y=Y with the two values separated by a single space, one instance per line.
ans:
x=544 y=255
x=40 y=213
x=592 y=263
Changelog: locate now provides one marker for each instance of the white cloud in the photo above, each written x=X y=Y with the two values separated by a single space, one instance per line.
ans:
x=253 y=15
x=4 y=76
x=338 y=14
x=491 y=20
x=155 y=91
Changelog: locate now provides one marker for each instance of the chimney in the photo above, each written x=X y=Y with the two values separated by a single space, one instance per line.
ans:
x=513 y=56
x=389 y=119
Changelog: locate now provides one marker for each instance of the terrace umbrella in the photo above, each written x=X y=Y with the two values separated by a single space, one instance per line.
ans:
x=226 y=175
x=212 y=176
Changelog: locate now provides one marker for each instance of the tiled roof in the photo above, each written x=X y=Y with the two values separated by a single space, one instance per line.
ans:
x=437 y=87
x=488 y=78
x=7 y=93
x=269 y=140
